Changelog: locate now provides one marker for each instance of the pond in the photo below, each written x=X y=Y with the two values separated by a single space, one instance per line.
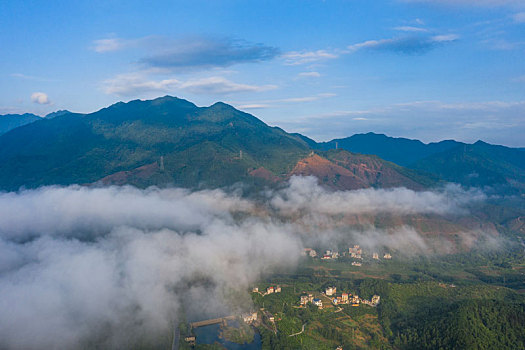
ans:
x=210 y=334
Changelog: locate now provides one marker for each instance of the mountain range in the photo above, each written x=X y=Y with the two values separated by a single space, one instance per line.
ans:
x=171 y=141
x=13 y=121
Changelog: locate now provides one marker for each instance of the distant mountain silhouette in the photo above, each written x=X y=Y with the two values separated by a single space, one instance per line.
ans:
x=479 y=164
x=57 y=114
x=12 y=121
x=399 y=150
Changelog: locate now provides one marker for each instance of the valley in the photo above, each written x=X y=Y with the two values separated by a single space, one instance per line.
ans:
x=269 y=240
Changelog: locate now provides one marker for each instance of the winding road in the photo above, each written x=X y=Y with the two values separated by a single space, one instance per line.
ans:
x=302 y=330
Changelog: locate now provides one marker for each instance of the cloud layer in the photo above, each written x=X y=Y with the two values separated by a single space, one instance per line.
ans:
x=111 y=267
x=304 y=194
x=198 y=52
x=208 y=52
x=133 y=84
x=407 y=45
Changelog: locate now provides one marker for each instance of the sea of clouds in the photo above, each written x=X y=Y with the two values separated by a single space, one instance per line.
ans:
x=116 y=266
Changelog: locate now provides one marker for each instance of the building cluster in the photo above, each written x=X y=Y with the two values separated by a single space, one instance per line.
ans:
x=249 y=318
x=330 y=255
x=269 y=290
x=372 y=302
x=386 y=256
x=309 y=298
x=355 y=252
x=345 y=298
x=310 y=252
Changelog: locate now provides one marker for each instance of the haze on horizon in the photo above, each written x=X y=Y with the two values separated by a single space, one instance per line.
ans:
x=428 y=69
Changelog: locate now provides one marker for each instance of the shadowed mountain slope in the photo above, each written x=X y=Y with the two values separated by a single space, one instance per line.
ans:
x=479 y=165
x=399 y=150
x=12 y=121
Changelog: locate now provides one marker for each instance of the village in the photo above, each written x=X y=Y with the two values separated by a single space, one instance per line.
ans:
x=329 y=298
x=343 y=299
x=355 y=252
x=330 y=293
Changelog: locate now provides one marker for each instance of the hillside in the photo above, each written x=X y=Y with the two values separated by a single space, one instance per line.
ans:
x=398 y=150
x=479 y=164
x=171 y=141
x=12 y=121
x=211 y=146
x=343 y=170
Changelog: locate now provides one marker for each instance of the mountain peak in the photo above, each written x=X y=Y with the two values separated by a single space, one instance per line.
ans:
x=171 y=99
x=57 y=114
x=222 y=105
x=159 y=101
x=480 y=143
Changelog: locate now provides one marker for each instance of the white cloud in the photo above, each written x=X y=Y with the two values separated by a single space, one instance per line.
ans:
x=133 y=84
x=502 y=44
x=300 y=99
x=297 y=58
x=310 y=74
x=220 y=85
x=253 y=106
x=368 y=44
x=411 y=29
x=40 y=98
x=109 y=45
x=112 y=266
x=271 y=103
x=189 y=53
x=30 y=77
x=519 y=17
x=410 y=44
x=445 y=38
x=305 y=194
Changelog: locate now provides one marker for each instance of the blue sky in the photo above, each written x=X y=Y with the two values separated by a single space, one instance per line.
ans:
x=426 y=69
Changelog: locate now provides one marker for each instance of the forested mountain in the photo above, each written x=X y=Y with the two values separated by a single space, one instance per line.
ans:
x=56 y=114
x=214 y=145
x=479 y=164
x=399 y=150
x=12 y=121
x=171 y=141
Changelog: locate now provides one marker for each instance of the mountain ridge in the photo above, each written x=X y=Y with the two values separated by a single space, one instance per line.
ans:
x=123 y=143
x=218 y=145
x=9 y=122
